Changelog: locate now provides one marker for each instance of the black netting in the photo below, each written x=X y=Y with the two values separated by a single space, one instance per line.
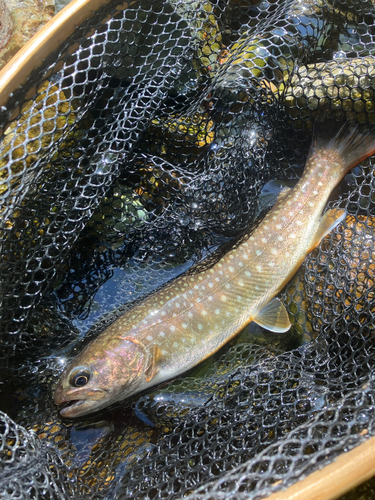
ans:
x=142 y=149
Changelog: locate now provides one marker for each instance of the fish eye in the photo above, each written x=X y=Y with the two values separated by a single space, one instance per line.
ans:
x=79 y=377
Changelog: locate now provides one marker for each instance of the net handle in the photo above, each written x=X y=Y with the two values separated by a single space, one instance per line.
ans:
x=348 y=471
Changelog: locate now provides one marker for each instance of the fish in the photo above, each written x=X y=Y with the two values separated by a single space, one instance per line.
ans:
x=193 y=316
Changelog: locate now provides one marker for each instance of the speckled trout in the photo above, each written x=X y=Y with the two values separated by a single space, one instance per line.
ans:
x=192 y=317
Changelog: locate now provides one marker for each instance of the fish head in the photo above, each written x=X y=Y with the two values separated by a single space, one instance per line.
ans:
x=103 y=373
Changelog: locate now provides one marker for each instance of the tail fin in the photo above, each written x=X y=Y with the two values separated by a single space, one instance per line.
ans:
x=352 y=145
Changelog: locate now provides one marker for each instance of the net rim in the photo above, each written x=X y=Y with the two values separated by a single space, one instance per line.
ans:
x=348 y=470
x=48 y=39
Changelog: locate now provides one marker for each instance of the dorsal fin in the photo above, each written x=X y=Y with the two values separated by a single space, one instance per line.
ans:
x=272 y=191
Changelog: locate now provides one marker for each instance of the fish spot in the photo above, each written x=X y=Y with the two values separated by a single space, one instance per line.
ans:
x=280 y=238
x=273 y=251
x=227 y=314
x=231 y=269
x=274 y=217
x=217 y=279
x=315 y=193
x=164 y=352
x=258 y=252
x=172 y=328
x=221 y=273
x=210 y=298
x=311 y=204
x=271 y=264
x=241 y=283
x=259 y=269
x=299 y=222
x=217 y=311
x=227 y=286
x=200 y=326
x=212 y=271
x=293 y=235
x=278 y=226
x=247 y=274
x=175 y=344
x=264 y=240
x=184 y=325
x=240 y=264
x=223 y=298
x=162 y=334
x=174 y=315
x=256 y=288
x=204 y=313
x=177 y=304
x=210 y=285
x=149 y=338
x=190 y=314
x=251 y=238
x=163 y=313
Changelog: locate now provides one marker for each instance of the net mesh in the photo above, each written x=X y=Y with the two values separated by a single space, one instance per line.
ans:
x=139 y=150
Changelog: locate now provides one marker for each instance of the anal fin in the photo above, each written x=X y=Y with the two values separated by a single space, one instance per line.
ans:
x=273 y=317
x=328 y=222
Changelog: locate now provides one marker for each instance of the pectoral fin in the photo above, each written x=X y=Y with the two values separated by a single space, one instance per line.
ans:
x=273 y=317
x=328 y=222
x=152 y=368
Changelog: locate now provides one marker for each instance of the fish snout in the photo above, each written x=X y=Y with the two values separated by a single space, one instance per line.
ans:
x=59 y=394
x=62 y=395
x=78 y=402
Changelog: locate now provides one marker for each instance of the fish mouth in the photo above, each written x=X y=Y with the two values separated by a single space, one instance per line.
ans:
x=69 y=409
x=79 y=407
x=72 y=405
